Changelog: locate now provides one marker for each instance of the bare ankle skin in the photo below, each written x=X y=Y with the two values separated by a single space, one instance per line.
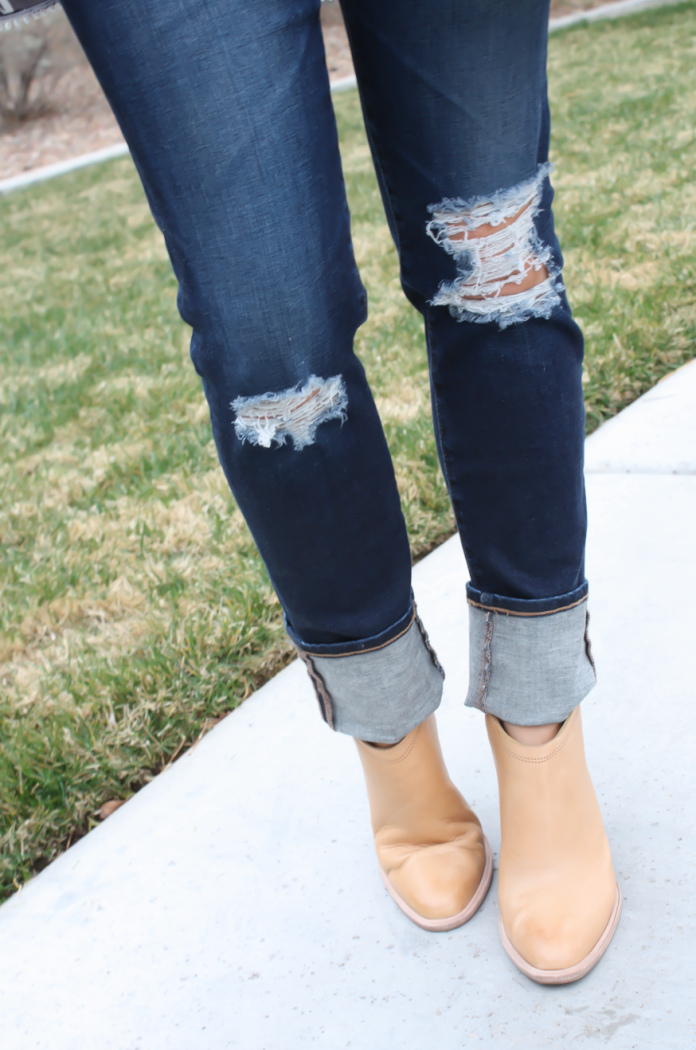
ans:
x=532 y=736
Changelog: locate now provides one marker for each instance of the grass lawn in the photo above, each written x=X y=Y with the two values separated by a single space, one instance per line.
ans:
x=134 y=609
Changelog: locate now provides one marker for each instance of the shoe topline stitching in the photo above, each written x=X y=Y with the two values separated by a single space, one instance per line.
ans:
x=407 y=752
x=538 y=761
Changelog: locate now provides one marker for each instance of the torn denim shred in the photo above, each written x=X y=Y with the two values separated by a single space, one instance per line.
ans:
x=295 y=413
x=486 y=264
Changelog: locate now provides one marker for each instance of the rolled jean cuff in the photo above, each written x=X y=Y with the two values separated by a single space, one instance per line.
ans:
x=530 y=662
x=379 y=688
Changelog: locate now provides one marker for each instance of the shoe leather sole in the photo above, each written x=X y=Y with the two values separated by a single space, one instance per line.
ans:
x=451 y=921
x=570 y=973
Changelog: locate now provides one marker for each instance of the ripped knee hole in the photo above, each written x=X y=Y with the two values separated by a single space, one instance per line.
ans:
x=295 y=413
x=504 y=272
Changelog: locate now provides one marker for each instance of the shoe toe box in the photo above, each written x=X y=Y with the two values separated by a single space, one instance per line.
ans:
x=438 y=881
x=557 y=929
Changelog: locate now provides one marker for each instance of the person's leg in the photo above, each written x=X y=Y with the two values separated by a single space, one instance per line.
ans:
x=226 y=108
x=457 y=114
x=454 y=96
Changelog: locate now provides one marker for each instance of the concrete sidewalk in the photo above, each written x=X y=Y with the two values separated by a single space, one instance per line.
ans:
x=235 y=901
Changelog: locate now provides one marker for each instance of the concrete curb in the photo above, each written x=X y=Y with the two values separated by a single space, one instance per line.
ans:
x=620 y=9
x=50 y=171
x=609 y=11
x=344 y=84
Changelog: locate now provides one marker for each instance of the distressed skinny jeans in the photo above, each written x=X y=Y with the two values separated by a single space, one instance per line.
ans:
x=225 y=105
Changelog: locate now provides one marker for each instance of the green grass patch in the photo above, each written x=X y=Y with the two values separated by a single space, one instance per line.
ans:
x=134 y=610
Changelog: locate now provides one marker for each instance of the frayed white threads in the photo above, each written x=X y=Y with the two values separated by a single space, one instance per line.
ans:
x=506 y=256
x=295 y=413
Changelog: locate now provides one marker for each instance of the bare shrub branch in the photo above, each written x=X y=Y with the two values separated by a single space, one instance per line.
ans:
x=33 y=59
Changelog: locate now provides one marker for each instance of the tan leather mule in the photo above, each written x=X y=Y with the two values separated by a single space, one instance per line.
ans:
x=433 y=856
x=559 y=900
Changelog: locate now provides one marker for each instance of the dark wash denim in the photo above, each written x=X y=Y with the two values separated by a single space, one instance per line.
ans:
x=227 y=111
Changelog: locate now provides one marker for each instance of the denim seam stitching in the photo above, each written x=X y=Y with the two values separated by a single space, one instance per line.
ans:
x=510 y=612
x=322 y=693
x=427 y=643
x=588 y=645
x=485 y=672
